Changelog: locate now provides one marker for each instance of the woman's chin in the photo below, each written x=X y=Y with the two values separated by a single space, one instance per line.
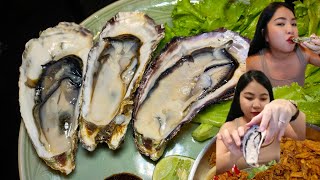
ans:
x=254 y=114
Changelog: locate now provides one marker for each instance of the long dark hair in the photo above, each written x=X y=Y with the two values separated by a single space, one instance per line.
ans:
x=259 y=42
x=235 y=109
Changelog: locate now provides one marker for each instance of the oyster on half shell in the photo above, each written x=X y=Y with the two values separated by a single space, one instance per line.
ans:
x=49 y=91
x=251 y=144
x=190 y=73
x=302 y=39
x=115 y=66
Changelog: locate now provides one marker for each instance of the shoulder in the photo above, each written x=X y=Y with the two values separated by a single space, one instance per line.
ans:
x=228 y=125
x=253 y=62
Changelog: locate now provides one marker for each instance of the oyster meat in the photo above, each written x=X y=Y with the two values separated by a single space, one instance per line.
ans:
x=115 y=66
x=251 y=144
x=50 y=84
x=190 y=73
x=302 y=39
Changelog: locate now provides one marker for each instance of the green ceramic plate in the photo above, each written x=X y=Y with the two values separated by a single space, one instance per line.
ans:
x=104 y=162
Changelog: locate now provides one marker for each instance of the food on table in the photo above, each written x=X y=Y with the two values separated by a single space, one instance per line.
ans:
x=65 y=161
x=115 y=66
x=173 y=167
x=212 y=171
x=233 y=174
x=298 y=160
x=190 y=73
x=50 y=85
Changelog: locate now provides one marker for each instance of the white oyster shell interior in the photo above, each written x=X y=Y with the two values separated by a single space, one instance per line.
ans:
x=251 y=145
x=115 y=66
x=53 y=44
x=190 y=73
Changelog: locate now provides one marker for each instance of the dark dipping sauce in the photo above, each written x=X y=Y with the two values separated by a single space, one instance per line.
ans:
x=123 y=176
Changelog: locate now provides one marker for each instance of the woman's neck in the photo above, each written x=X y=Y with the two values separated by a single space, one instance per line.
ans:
x=245 y=119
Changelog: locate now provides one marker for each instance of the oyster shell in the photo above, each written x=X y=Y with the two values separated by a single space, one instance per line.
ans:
x=190 y=73
x=251 y=144
x=302 y=39
x=49 y=90
x=115 y=66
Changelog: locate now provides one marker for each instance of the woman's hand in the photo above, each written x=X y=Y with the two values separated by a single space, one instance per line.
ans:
x=274 y=118
x=232 y=140
x=314 y=44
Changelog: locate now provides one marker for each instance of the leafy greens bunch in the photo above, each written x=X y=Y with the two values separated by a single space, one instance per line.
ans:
x=308 y=17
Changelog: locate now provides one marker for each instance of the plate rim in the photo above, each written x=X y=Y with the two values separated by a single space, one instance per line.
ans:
x=199 y=158
x=101 y=10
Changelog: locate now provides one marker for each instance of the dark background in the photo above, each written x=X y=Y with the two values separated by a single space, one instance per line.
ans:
x=22 y=20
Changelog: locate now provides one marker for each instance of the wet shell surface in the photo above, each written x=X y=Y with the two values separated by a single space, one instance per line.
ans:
x=190 y=73
x=115 y=66
x=50 y=84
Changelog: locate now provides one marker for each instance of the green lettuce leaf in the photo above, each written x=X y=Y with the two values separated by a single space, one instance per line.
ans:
x=307 y=98
x=204 y=132
x=308 y=17
x=214 y=114
x=253 y=171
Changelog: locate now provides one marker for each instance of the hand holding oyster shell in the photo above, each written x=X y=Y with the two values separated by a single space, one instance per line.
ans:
x=251 y=144
x=312 y=42
x=302 y=39
x=246 y=143
x=274 y=118
x=232 y=140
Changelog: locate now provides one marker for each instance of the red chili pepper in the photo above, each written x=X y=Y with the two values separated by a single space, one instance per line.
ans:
x=215 y=178
x=235 y=169
x=229 y=173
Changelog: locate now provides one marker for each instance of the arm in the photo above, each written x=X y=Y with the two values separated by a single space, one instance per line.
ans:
x=297 y=128
x=225 y=162
x=253 y=63
x=227 y=147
